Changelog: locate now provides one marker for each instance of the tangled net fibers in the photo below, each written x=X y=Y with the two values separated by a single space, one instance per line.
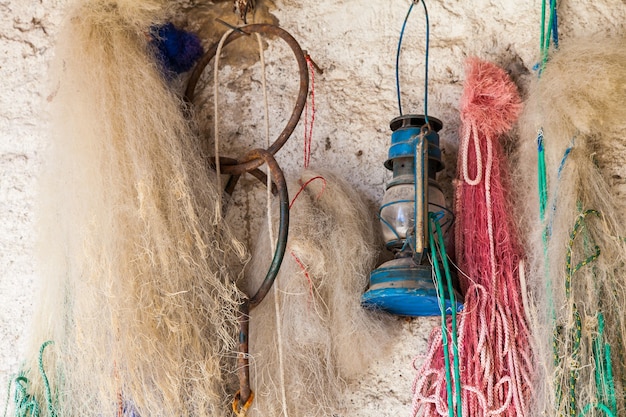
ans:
x=139 y=295
x=576 y=236
x=495 y=360
x=327 y=337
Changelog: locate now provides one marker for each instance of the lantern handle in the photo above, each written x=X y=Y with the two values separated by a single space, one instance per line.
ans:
x=426 y=53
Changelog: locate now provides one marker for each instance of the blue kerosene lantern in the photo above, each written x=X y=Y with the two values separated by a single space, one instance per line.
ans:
x=405 y=285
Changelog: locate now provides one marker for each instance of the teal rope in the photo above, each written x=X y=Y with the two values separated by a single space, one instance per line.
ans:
x=542 y=177
x=604 y=369
x=610 y=384
x=547 y=32
x=6 y=403
x=573 y=373
x=455 y=343
x=601 y=350
x=26 y=405
x=444 y=328
x=44 y=377
x=601 y=407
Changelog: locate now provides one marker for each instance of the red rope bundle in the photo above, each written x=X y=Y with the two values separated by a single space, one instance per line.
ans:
x=494 y=342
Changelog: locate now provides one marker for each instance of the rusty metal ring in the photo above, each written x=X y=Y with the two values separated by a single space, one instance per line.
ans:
x=250 y=164
x=243 y=410
x=232 y=181
x=245 y=394
x=281 y=245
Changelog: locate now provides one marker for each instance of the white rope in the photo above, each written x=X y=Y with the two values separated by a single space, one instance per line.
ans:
x=216 y=133
x=492 y=244
x=277 y=307
x=469 y=134
x=524 y=288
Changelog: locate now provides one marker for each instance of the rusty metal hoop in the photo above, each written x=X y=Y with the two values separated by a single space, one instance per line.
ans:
x=245 y=393
x=265 y=29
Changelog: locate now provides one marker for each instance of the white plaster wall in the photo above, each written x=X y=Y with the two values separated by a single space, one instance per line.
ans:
x=27 y=31
x=354 y=41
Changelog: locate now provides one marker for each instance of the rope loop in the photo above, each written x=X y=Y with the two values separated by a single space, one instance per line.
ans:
x=471 y=133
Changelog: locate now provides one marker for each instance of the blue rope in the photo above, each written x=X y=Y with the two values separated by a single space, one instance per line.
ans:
x=398 y=91
x=555 y=25
x=564 y=159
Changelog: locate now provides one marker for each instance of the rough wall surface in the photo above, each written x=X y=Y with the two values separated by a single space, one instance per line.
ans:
x=354 y=42
x=26 y=37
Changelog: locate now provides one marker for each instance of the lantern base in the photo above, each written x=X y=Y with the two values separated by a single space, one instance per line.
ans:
x=405 y=288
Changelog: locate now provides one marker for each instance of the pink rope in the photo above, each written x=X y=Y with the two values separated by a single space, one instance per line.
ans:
x=494 y=340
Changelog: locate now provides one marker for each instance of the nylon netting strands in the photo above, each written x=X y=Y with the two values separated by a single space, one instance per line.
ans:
x=493 y=336
x=577 y=254
x=328 y=338
x=138 y=292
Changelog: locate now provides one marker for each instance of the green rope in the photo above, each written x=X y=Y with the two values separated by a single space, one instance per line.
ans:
x=557 y=361
x=575 y=362
x=597 y=357
x=542 y=34
x=455 y=345
x=27 y=405
x=605 y=387
x=6 y=403
x=444 y=328
x=46 y=383
x=601 y=407
x=547 y=32
x=542 y=178
x=604 y=369
x=570 y=247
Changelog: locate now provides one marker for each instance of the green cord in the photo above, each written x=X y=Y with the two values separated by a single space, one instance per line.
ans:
x=6 y=403
x=546 y=32
x=455 y=344
x=444 y=327
x=601 y=407
x=604 y=369
x=601 y=351
x=48 y=394
x=573 y=373
x=557 y=361
x=542 y=34
x=597 y=357
x=542 y=177
x=26 y=405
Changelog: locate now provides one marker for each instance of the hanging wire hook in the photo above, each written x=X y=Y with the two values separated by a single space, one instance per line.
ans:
x=425 y=58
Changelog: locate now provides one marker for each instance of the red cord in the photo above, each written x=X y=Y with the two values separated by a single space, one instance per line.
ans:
x=319 y=177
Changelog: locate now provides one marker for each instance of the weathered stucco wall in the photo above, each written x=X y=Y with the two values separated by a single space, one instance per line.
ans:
x=354 y=42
